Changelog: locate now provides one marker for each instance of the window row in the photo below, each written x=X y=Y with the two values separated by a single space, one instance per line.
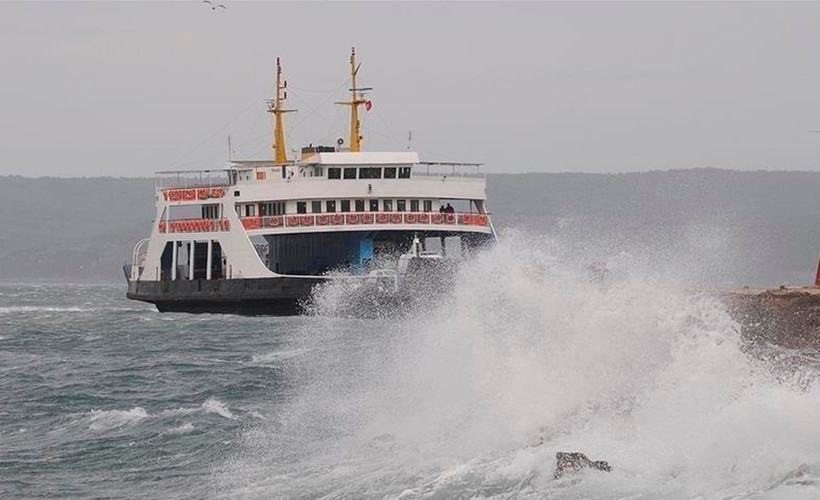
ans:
x=331 y=206
x=368 y=173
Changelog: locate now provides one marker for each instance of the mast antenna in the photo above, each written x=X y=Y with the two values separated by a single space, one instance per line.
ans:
x=356 y=100
x=275 y=108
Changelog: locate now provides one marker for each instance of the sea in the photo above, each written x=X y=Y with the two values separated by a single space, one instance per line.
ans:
x=471 y=396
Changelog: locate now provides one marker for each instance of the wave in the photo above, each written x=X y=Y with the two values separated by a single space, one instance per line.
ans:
x=27 y=309
x=101 y=420
x=277 y=356
x=474 y=395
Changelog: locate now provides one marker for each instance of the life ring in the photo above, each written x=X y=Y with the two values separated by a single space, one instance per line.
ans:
x=424 y=217
x=203 y=194
x=337 y=220
x=410 y=218
x=366 y=218
x=381 y=218
x=481 y=220
x=275 y=221
x=322 y=220
x=395 y=218
x=352 y=218
x=307 y=220
x=217 y=192
x=189 y=194
x=436 y=218
x=450 y=218
x=293 y=221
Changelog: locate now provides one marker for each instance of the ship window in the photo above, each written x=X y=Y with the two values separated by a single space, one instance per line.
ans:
x=401 y=205
x=389 y=172
x=318 y=172
x=428 y=205
x=238 y=210
x=346 y=206
x=350 y=173
x=404 y=172
x=360 y=205
x=330 y=206
x=250 y=210
x=210 y=211
x=374 y=205
x=301 y=207
x=370 y=173
x=315 y=207
x=414 y=205
x=388 y=205
x=334 y=173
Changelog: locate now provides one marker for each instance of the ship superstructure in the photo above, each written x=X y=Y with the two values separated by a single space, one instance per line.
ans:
x=256 y=236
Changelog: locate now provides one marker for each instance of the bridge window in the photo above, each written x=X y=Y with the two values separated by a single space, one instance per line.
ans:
x=388 y=205
x=316 y=207
x=346 y=206
x=360 y=205
x=334 y=173
x=370 y=173
x=330 y=206
x=301 y=207
x=250 y=210
x=389 y=172
x=414 y=205
x=428 y=205
x=374 y=205
x=350 y=173
x=404 y=172
x=401 y=205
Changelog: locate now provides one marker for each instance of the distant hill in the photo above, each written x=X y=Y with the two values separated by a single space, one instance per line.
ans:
x=714 y=226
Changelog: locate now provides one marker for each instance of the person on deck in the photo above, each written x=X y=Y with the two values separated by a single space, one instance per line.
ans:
x=449 y=209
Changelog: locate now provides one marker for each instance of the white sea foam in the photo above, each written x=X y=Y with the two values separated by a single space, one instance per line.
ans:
x=525 y=358
x=185 y=428
x=110 y=419
x=277 y=356
x=215 y=406
x=27 y=309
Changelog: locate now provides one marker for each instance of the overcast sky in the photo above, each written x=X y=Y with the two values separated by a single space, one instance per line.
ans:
x=126 y=89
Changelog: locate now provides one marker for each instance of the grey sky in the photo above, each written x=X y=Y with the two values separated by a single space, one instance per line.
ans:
x=130 y=88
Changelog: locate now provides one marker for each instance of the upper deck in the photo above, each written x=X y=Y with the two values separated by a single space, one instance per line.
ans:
x=329 y=175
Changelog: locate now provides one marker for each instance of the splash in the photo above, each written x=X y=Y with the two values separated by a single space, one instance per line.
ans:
x=472 y=395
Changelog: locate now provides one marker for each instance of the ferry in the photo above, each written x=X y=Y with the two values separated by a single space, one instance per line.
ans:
x=257 y=236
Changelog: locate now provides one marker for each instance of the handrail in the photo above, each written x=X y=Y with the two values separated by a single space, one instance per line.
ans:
x=194 y=225
x=365 y=219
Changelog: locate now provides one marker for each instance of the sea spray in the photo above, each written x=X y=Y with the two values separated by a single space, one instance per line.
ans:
x=473 y=395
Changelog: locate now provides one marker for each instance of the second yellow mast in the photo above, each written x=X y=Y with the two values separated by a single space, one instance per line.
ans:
x=275 y=108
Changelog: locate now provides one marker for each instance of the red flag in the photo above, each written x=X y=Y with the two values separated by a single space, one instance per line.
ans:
x=368 y=104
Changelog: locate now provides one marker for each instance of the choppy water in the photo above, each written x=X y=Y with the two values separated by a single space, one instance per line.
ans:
x=105 y=398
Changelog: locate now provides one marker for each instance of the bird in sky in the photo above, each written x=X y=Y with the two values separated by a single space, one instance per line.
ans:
x=214 y=6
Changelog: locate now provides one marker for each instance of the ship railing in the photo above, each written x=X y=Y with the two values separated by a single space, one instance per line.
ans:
x=365 y=219
x=448 y=169
x=185 y=179
x=194 y=225
x=138 y=258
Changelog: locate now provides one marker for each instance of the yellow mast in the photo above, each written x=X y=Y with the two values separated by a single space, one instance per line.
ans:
x=356 y=100
x=275 y=108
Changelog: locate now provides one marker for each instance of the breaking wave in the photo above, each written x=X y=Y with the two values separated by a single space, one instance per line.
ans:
x=473 y=395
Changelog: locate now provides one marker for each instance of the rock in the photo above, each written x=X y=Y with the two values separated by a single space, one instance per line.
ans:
x=573 y=462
